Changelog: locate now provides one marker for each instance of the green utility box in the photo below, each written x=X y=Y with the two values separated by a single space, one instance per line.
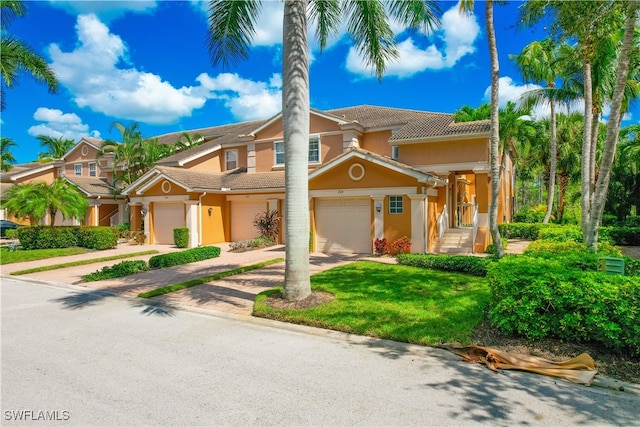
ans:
x=611 y=265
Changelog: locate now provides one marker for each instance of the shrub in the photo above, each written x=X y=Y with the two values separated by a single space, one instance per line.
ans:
x=125 y=268
x=530 y=215
x=381 y=247
x=632 y=221
x=267 y=224
x=98 y=238
x=518 y=230
x=475 y=266
x=181 y=237
x=45 y=237
x=609 y=220
x=184 y=257
x=400 y=246
x=539 y=298
x=624 y=236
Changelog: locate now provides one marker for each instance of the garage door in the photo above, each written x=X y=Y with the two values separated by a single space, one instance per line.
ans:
x=166 y=217
x=343 y=225
x=242 y=215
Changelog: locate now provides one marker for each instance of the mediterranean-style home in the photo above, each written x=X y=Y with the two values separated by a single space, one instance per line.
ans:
x=374 y=172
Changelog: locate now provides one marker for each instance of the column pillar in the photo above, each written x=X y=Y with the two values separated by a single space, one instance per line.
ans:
x=418 y=223
x=192 y=222
x=145 y=218
x=378 y=217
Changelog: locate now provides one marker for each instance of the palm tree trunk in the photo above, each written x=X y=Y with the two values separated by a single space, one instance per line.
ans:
x=613 y=128
x=495 y=134
x=295 y=118
x=554 y=161
x=563 y=183
x=585 y=169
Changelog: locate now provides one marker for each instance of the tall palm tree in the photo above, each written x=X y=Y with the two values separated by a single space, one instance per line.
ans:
x=56 y=148
x=187 y=140
x=538 y=63
x=568 y=163
x=494 y=137
x=470 y=114
x=231 y=29
x=16 y=56
x=6 y=156
x=127 y=155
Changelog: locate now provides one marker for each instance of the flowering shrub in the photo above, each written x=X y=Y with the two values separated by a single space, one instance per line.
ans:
x=267 y=224
x=401 y=246
x=381 y=247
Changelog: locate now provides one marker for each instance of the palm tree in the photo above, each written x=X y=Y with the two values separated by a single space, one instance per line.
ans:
x=231 y=29
x=6 y=156
x=56 y=148
x=186 y=141
x=34 y=201
x=538 y=63
x=470 y=114
x=151 y=152
x=127 y=155
x=16 y=56
x=494 y=138
x=568 y=163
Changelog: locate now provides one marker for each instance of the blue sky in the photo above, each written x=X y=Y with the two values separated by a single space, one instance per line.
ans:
x=147 y=61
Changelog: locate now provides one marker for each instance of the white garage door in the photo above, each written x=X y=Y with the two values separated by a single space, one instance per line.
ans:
x=343 y=225
x=166 y=217
x=242 y=216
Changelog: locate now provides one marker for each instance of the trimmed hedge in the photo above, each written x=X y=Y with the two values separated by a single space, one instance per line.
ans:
x=520 y=230
x=625 y=236
x=125 y=268
x=537 y=298
x=184 y=257
x=475 y=266
x=45 y=237
x=181 y=237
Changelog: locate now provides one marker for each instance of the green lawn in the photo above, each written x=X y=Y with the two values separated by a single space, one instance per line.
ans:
x=9 y=257
x=394 y=302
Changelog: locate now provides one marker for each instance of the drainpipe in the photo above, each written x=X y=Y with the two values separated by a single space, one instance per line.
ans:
x=200 y=218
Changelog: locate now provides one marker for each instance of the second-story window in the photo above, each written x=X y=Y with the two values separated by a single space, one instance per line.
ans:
x=93 y=171
x=77 y=169
x=314 y=151
x=394 y=152
x=231 y=159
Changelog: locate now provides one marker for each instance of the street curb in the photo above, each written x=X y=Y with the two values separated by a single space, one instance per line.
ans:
x=599 y=381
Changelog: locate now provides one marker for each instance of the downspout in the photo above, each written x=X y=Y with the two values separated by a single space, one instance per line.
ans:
x=200 y=218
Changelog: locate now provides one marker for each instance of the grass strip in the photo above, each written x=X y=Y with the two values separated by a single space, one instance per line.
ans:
x=206 y=279
x=8 y=256
x=82 y=262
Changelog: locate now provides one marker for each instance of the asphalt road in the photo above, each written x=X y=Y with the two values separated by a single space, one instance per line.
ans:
x=77 y=357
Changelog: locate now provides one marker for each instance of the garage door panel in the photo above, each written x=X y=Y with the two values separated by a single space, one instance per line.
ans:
x=166 y=217
x=242 y=216
x=343 y=225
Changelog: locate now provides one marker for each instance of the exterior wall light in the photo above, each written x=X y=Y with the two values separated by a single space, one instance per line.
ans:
x=210 y=210
x=378 y=207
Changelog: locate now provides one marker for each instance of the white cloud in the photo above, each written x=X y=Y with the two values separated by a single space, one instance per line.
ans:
x=92 y=75
x=508 y=90
x=246 y=99
x=458 y=35
x=58 y=124
x=106 y=10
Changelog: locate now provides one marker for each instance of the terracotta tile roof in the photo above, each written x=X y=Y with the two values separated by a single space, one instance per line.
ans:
x=370 y=116
x=91 y=185
x=237 y=179
x=216 y=135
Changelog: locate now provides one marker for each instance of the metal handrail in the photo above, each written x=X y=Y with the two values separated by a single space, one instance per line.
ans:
x=443 y=222
x=475 y=227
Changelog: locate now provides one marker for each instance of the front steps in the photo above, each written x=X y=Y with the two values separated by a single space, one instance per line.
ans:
x=456 y=241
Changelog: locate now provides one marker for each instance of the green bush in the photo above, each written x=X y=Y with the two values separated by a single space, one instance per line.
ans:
x=125 y=268
x=98 y=238
x=575 y=255
x=475 y=266
x=45 y=237
x=609 y=220
x=519 y=230
x=184 y=257
x=631 y=221
x=530 y=215
x=181 y=237
x=625 y=236
x=539 y=298
x=560 y=233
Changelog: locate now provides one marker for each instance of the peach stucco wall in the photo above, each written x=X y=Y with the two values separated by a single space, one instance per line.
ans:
x=397 y=225
x=212 y=162
x=156 y=190
x=472 y=150
x=374 y=176
x=377 y=142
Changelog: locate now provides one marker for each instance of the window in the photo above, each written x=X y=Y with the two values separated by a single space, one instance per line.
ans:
x=394 y=152
x=231 y=158
x=92 y=169
x=77 y=169
x=314 y=151
x=395 y=204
